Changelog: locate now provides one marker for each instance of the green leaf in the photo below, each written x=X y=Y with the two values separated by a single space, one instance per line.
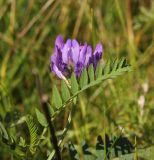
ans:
x=100 y=148
x=107 y=67
x=146 y=153
x=56 y=99
x=51 y=155
x=73 y=152
x=22 y=142
x=65 y=91
x=33 y=131
x=122 y=63
x=74 y=84
x=115 y=65
x=99 y=70
x=84 y=78
x=106 y=75
x=51 y=109
x=41 y=118
x=3 y=132
x=86 y=152
x=91 y=72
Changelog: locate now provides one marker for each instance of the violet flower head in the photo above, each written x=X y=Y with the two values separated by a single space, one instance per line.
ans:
x=73 y=56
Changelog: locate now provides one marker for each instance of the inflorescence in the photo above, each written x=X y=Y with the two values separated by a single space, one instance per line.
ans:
x=73 y=57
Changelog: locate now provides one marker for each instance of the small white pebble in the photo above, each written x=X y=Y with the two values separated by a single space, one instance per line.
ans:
x=145 y=87
x=141 y=103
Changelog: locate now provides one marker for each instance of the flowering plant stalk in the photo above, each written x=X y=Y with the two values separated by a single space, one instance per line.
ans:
x=78 y=68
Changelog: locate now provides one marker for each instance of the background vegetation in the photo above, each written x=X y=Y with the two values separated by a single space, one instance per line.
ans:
x=125 y=28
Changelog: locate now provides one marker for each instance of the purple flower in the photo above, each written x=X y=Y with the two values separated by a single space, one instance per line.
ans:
x=73 y=56
x=97 y=54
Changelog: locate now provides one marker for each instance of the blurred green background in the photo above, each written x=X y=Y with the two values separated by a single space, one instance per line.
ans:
x=28 y=29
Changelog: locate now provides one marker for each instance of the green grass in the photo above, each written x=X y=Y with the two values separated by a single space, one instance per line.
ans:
x=125 y=28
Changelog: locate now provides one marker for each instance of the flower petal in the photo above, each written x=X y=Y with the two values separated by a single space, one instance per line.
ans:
x=88 y=56
x=55 y=69
x=83 y=53
x=66 y=51
x=98 y=51
x=53 y=58
x=56 y=57
x=59 y=42
x=63 y=68
x=75 y=51
x=97 y=54
x=78 y=69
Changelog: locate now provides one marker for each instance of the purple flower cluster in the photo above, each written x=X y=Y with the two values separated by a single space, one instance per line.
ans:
x=72 y=55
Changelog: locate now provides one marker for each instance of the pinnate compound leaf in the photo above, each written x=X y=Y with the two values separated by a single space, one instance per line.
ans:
x=104 y=72
x=33 y=131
